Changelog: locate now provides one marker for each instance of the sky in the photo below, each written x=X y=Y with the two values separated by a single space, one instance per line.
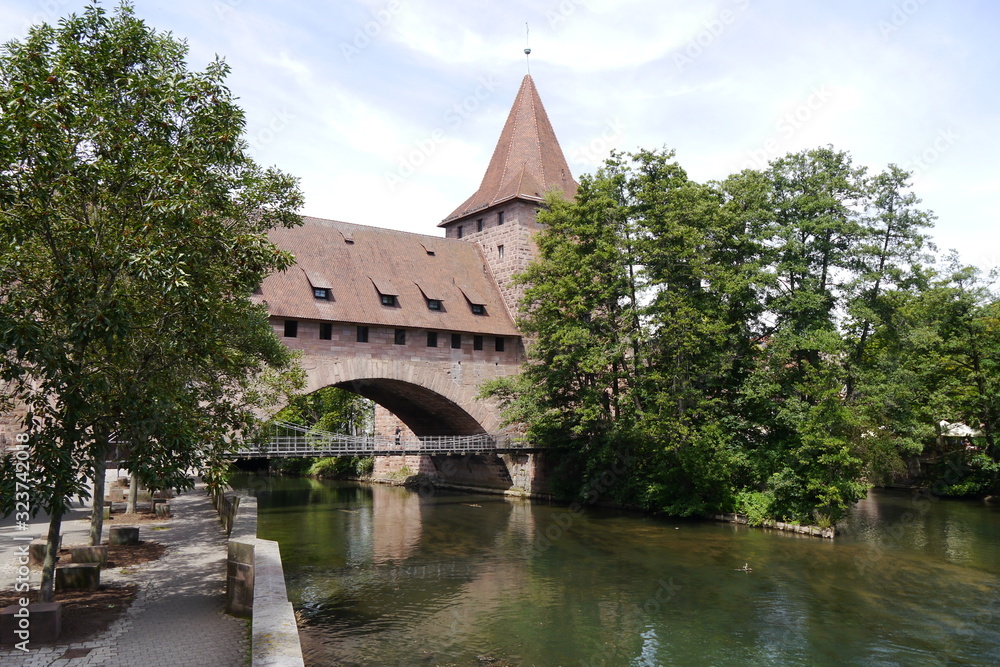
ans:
x=389 y=110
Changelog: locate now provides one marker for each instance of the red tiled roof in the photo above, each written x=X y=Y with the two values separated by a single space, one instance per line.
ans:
x=411 y=267
x=527 y=161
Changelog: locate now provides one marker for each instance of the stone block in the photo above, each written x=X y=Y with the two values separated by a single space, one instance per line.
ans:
x=116 y=494
x=97 y=555
x=162 y=510
x=78 y=576
x=44 y=622
x=240 y=578
x=36 y=551
x=123 y=535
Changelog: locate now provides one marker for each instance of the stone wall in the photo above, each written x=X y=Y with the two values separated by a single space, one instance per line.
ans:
x=240 y=576
x=274 y=631
x=255 y=585
x=526 y=474
x=382 y=345
x=514 y=236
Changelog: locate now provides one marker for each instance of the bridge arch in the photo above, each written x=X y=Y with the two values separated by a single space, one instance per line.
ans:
x=428 y=401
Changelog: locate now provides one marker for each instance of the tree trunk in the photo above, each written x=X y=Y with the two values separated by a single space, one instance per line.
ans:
x=47 y=586
x=133 y=495
x=97 y=516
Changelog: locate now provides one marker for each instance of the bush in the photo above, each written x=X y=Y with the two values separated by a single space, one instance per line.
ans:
x=330 y=467
x=363 y=467
x=756 y=505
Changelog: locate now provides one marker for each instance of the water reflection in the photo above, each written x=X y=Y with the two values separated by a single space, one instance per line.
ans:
x=395 y=523
x=384 y=575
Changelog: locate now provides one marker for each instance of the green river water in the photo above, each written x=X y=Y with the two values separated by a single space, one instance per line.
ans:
x=383 y=575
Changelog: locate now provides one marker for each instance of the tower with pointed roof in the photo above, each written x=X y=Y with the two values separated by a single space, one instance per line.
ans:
x=500 y=216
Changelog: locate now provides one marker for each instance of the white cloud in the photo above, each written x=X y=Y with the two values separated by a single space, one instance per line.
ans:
x=344 y=121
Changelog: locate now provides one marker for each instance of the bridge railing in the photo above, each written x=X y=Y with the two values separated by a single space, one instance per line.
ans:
x=292 y=440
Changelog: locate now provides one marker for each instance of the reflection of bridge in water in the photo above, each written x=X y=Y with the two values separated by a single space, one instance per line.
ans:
x=293 y=440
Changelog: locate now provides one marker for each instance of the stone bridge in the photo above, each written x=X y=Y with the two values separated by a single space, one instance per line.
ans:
x=418 y=323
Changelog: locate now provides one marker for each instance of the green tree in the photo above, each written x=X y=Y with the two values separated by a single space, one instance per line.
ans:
x=699 y=267
x=842 y=246
x=331 y=409
x=583 y=330
x=735 y=339
x=958 y=368
x=133 y=230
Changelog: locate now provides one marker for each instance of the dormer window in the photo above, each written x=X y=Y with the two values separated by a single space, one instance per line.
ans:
x=387 y=291
x=320 y=285
x=434 y=304
x=475 y=300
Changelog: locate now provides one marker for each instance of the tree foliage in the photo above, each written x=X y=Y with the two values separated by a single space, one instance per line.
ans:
x=750 y=344
x=333 y=410
x=133 y=230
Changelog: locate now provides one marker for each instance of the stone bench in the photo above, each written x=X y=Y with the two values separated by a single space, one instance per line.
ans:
x=43 y=621
x=36 y=551
x=87 y=554
x=123 y=535
x=78 y=576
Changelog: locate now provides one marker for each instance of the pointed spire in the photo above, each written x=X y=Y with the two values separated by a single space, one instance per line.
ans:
x=527 y=161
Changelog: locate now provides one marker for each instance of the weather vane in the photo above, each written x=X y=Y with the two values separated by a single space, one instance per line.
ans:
x=527 y=47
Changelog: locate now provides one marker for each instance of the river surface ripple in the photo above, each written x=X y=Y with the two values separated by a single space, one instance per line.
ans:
x=383 y=575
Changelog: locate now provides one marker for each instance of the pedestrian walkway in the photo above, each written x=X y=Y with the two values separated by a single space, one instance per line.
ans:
x=177 y=617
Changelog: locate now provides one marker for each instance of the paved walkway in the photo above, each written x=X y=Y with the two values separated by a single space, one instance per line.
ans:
x=177 y=617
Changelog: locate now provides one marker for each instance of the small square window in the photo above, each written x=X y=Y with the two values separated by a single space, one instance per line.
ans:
x=460 y=231
x=325 y=331
x=362 y=334
x=478 y=309
x=456 y=341
x=321 y=293
x=499 y=217
x=291 y=328
x=477 y=342
x=479 y=225
x=432 y=339
x=400 y=337
x=500 y=251
x=388 y=299
x=501 y=343
x=434 y=304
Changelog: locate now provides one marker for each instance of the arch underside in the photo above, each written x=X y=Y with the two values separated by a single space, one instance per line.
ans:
x=425 y=412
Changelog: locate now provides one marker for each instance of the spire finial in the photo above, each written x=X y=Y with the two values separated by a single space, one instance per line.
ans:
x=527 y=47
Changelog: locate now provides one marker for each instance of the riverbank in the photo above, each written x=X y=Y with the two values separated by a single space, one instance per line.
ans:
x=177 y=617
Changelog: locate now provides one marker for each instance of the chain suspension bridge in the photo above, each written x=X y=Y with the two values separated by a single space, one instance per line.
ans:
x=292 y=440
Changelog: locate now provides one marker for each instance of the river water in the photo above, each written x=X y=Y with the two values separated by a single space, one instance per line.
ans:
x=383 y=575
